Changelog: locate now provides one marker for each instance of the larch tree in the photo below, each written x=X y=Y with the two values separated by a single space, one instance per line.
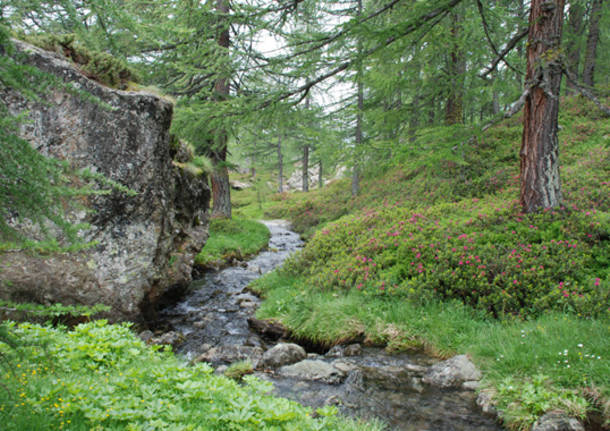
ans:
x=540 y=181
x=588 y=73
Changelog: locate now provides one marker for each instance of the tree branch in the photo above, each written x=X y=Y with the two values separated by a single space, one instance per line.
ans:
x=583 y=90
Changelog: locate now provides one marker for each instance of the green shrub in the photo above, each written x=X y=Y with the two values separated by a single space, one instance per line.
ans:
x=101 y=376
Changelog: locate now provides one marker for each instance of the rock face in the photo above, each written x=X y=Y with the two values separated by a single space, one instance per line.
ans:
x=147 y=242
x=452 y=372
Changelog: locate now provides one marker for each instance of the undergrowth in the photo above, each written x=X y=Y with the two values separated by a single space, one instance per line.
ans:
x=99 y=376
x=440 y=257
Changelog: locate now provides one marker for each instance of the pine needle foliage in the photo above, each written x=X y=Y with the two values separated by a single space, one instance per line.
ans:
x=36 y=191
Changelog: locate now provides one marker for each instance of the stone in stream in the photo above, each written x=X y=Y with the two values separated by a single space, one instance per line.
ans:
x=169 y=338
x=313 y=370
x=452 y=372
x=282 y=354
x=340 y=351
x=229 y=354
x=557 y=421
x=267 y=328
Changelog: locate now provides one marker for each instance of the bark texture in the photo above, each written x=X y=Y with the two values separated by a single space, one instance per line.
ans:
x=454 y=113
x=306 y=168
x=588 y=73
x=540 y=182
x=575 y=27
x=221 y=189
x=280 y=166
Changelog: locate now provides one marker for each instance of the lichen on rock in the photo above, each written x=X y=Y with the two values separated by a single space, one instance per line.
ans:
x=146 y=243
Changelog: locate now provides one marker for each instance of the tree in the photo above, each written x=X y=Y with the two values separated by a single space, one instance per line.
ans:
x=588 y=73
x=540 y=182
x=221 y=190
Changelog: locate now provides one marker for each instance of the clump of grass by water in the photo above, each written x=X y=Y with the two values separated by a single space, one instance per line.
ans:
x=238 y=370
x=232 y=239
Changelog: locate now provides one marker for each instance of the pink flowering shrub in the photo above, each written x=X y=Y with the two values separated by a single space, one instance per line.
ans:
x=457 y=232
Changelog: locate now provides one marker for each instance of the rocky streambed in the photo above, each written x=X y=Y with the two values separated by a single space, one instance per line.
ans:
x=215 y=323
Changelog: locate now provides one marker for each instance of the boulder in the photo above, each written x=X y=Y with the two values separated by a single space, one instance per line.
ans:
x=313 y=370
x=452 y=372
x=557 y=421
x=282 y=354
x=146 y=243
x=270 y=329
x=230 y=354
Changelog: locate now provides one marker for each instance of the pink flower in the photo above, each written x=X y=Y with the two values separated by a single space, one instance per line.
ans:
x=596 y=282
x=515 y=282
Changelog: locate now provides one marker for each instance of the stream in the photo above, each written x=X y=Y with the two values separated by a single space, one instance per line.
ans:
x=214 y=322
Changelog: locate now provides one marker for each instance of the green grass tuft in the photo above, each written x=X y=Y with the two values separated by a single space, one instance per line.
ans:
x=232 y=239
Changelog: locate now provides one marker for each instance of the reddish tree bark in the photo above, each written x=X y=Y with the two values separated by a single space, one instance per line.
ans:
x=540 y=182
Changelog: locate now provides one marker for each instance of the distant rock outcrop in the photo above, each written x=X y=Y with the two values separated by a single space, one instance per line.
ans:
x=146 y=242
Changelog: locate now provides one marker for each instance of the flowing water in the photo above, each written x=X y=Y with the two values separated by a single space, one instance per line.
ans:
x=214 y=315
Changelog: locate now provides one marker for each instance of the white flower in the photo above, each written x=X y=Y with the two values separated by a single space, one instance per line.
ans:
x=580 y=345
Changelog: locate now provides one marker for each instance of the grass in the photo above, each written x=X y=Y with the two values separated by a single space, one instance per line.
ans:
x=232 y=239
x=102 y=377
x=436 y=255
x=572 y=353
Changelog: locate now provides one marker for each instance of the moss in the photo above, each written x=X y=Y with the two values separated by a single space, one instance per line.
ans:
x=99 y=66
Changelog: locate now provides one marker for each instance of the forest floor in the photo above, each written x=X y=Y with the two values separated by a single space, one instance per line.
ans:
x=435 y=254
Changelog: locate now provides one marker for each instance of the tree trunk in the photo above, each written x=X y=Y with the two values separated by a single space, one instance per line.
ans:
x=540 y=183
x=457 y=67
x=280 y=165
x=432 y=111
x=320 y=180
x=221 y=190
x=358 y=133
x=588 y=73
x=575 y=21
x=306 y=168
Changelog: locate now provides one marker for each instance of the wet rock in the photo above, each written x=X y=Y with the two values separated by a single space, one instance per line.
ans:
x=557 y=421
x=333 y=400
x=353 y=350
x=267 y=328
x=452 y=372
x=313 y=356
x=344 y=366
x=313 y=370
x=416 y=385
x=485 y=403
x=170 y=338
x=355 y=381
x=335 y=352
x=146 y=335
x=282 y=354
x=230 y=354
